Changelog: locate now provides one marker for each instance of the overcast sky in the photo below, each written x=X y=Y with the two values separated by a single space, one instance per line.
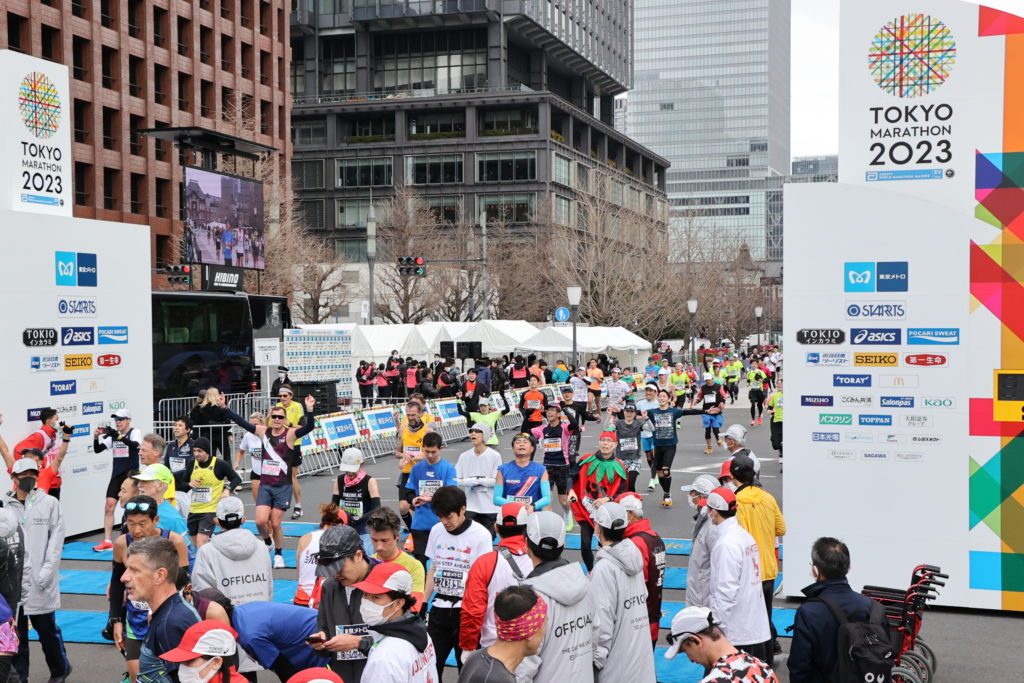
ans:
x=815 y=70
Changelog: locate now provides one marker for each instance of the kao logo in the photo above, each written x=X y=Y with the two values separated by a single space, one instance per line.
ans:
x=75 y=269
x=39 y=105
x=938 y=402
x=871 y=276
x=911 y=56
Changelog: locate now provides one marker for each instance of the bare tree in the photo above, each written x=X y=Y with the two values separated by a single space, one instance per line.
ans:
x=520 y=270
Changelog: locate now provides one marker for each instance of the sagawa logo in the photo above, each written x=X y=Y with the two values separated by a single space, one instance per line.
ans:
x=860 y=437
x=926 y=360
x=894 y=310
x=856 y=401
x=816 y=401
x=938 y=402
x=75 y=269
x=874 y=420
x=62 y=387
x=76 y=307
x=875 y=455
x=896 y=402
x=861 y=335
x=76 y=336
x=44 y=363
x=863 y=381
x=838 y=454
x=108 y=360
x=112 y=335
x=929 y=439
x=828 y=360
x=835 y=419
x=941 y=336
x=876 y=360
x=825 y=437
x=92 y=408
x=881 y=276
x=820 y=336
x=916 y=420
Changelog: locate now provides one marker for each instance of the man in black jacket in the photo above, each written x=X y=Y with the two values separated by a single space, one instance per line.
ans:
x=812 y=655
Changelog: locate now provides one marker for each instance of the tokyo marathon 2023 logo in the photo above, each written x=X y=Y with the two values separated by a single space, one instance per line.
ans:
x=912 y=55
x=40 y=105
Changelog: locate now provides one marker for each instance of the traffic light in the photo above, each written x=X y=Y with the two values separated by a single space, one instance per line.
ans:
x=179 y=275
x=412 y=266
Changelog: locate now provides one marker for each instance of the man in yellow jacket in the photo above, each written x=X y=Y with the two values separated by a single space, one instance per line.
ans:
x=758 y=512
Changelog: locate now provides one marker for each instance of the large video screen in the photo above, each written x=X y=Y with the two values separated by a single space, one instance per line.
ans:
x=223 y=220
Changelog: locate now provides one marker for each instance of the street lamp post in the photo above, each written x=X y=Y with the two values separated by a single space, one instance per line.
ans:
x=483 y=264
x=691 y=306
x=574 y=293
x=371 y=252
x=758 y=312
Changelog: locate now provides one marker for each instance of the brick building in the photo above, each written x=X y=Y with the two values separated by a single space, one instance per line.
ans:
x=138 y=64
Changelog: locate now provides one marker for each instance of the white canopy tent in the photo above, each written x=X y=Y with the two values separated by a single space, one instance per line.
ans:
x=613 y=341
x=375 y=342
x=436 y=332
x=498 y=336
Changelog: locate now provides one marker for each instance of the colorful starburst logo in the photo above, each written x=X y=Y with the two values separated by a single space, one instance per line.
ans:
x=39 y=103
x=912 y=55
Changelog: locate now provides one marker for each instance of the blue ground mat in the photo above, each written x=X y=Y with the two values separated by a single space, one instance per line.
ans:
x=673 y=546
x=678 y=670
x=82 y=551
x=290 y=529
x=87 y=582
x=79 y=627
x=675 y=578
x=782 y=618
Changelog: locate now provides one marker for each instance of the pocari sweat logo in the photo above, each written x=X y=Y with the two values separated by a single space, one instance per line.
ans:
x=112 y=335
x=942 y=336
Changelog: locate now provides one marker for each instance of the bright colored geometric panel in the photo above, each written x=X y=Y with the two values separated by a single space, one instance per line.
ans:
x=985 y=495
x=988 y=171
x=1005 y=203
x=996 y=571
x=912 y=55
x=993 y=22
x=982 y=424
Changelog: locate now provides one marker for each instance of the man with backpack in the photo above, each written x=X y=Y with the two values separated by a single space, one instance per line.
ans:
x=837 y=619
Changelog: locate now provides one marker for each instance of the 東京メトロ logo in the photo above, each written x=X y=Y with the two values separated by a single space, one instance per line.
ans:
x=75 y=269
x=912 y=55
x=869 y=276
x=39 y=105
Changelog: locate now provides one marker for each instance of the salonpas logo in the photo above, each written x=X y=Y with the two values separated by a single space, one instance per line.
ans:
x=912 y=56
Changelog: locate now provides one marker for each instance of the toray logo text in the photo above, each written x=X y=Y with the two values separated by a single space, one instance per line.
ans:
x=871 y=276
x=851 y=380
x=75 y=269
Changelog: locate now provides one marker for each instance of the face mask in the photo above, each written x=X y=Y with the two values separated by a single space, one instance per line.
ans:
x=280 y=375
x=26 y=484
x=731 y=486
x=693 y=504
x=372 y=613
x=187 y=674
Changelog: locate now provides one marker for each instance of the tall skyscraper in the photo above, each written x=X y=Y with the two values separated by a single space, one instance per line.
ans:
x=711 y=95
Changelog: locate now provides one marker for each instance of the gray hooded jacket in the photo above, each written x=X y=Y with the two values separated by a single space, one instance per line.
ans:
x=237 y=564
x=622 y=643
x=566 y=653
x=698 y=573
x=42 y=522
x=15 y=569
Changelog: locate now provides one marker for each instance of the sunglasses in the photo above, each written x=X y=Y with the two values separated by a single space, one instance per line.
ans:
x=141 y=507
x=284 y=395
x=120 y=419
x=277 y=417
x=324 y=559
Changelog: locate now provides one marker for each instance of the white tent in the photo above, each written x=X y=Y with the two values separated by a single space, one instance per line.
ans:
x=436 y=332
x=498 y=336
x=591 y=340
x=375 y=342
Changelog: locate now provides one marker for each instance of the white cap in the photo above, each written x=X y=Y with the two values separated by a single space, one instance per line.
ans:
x=617 y=370
x=688 y=621
x=546 y=530
x=703 y=485
x=22 y=465
x=484 y=401
x=611 y=516
x=485 y=431
x=122 y=413
x=351 y=460
x=737 y=433
x=632 y=502
x=663 y=371
x=230 y=508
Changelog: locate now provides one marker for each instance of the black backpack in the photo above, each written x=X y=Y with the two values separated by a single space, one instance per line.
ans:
x=864 y=651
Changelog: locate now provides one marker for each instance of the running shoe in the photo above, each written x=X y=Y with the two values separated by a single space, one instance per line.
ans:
x=653 y=484
x=105 y=545
x=760 y=421
x=278 y=561
x=297 y=512
x=752 y=422
x=666 y=502
x=708 y=451
x=569 y=522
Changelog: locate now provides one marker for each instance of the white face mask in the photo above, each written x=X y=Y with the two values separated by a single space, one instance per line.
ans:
x=372 y=613
x=692 y=502
x=187 y=674
x=731 y=486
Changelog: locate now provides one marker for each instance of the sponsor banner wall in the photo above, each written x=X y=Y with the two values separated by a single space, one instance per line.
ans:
x=78 y=339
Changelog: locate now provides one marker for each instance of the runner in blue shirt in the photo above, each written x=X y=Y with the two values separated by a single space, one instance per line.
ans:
x=523 y=480
x=427 y=476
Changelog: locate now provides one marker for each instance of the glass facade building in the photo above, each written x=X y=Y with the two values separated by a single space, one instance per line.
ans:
x=711 y=95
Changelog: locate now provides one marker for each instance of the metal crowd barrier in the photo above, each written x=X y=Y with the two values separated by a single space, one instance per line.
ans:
x=170 y=409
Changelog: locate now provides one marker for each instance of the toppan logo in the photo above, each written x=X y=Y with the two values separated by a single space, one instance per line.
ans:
x=894 y=310
x=860 y=335
x=820 y=336
x=875 y=420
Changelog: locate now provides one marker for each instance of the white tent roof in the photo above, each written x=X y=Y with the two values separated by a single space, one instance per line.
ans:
x=436 y=332
x=588 y=340
x=376 y=341
x=498 y=336
x=557 y=340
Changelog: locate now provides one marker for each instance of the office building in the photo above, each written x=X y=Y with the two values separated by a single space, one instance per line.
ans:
x=490 y=106
x=138 y=64
x=825 y=165
x=711 y=95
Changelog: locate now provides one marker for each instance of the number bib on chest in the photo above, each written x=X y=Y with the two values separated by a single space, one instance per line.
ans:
x=202 y=494
x=120 y=450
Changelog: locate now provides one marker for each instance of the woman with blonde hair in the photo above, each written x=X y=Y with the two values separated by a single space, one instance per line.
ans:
x=207 y=412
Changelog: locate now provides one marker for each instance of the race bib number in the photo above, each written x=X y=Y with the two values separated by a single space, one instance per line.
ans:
x=779 y=402
x=552 y=445
x=710 y=398
x=680 y=386
x=450 y=582
x=663 y=421
x=525 y=500
x=271 y=468
x=177 y=464
x=351 y=630
x=120 y=450
x=202 y=494
x=533 y=405
x=428 y=487
x=354 y=508
x=628 y=444
x=140 y=605
x=412 y=452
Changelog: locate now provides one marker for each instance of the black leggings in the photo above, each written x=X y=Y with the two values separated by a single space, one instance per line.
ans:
x=708 y=431
x=777 y=436
x=586 y=539
x=631 y=478
x=663 y=457
x=756 y=397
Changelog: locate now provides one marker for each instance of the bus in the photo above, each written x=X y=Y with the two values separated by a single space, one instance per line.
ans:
x=205 y=339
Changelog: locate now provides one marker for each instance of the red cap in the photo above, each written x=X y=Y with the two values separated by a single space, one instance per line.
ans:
x=722 y=499
x=726 y=470
x=206 y=639
x=386 y=577
x=513 y=514
x=317 y=675
x=608 y=435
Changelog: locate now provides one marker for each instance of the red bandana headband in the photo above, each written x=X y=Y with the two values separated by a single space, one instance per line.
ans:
x=523 y=626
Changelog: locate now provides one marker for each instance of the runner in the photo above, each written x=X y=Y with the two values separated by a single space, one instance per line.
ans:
x=596 y=377
x=554 y=437
x=580 y=392
x=293 y=411
x=616 y=392
x=385 y=529
x=775 y=411
x=643 y=406
x=178 y=454
x=522 y=480
x=520 y=617
x=409 y=450
x=208 y=652
x=475 y=472
x=628 y=430
x=601 y=478
x=51 y=450
x=205 y=484
x=307 y=592
x=531 y=405
x=664 y=419
x=680 y=382
x=756 y=379
x=123 y=442
x=425 y=479
x=252 y=446
x=486 y=414
x=357 y=494
x=711 y=399
x=733 y=371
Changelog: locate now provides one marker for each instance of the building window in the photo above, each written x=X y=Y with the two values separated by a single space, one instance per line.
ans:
x=582 y=178
x=443 y=125
x=352 y=251
x=83 y=183
x=297 y=75
x=445 y=61
x=434 y=169
x=307 y=132
x=506 y=166
x=507 y=208
x=82 y=120
x=338 y=65
x=446 y=208
x=667 y=106
x=313 y=213
x=372 y=130
x=309 y=174
x=111 y=189
x=562 y=170
x=366 y=172
x=615 y=190
x=138 y=196
x=509 y=122
x=562 y=210
x=353 y=212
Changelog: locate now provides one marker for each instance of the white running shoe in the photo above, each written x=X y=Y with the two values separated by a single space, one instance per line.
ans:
x=278 y=561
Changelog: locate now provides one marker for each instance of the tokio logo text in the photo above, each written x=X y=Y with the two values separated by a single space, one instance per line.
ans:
x=896 y=402
x=926 y=360
x=828 y=359
x=938 y=336
x=893 y=310
x=112 y=335
x=820 y=336
x=879 y=336
x=75 y=269
x=876 y=360
x=39 y=336
x=835 y=419
x=851 y=380
x=816 y=401
x=881 y=276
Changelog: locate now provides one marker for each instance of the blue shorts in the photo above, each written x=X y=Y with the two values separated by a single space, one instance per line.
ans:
x=277 y=496
x=712 y=421
x=647 y=443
